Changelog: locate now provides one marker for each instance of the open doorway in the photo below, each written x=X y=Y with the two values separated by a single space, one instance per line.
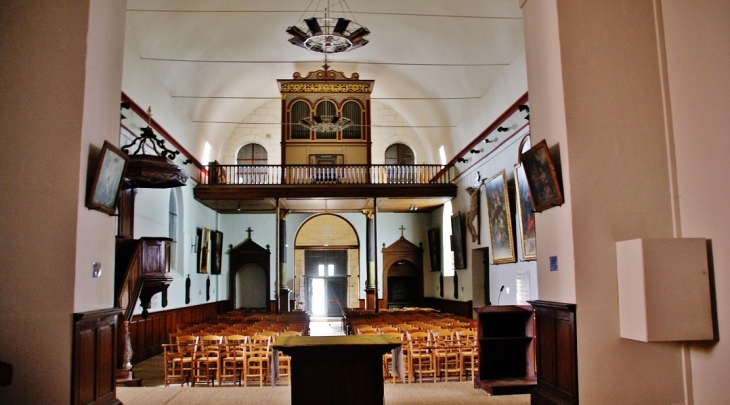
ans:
x=326 y=275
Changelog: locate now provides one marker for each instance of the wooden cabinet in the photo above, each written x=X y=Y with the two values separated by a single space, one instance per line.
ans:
x=557 y=363
x=506 y=350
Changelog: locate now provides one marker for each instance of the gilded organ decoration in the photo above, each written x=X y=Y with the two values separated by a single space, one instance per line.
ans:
x=325 y=113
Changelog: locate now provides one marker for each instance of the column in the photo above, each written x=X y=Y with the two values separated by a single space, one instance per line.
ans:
x=283 y=288
x=370 y=257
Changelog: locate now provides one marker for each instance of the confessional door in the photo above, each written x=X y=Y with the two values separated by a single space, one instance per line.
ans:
x=326 y=273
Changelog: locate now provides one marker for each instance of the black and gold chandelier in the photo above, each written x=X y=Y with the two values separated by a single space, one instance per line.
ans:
x=329 y=34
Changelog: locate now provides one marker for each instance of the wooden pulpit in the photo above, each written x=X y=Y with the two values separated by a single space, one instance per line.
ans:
x=336 y=369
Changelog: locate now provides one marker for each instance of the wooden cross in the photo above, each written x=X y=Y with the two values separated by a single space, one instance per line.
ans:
x=402 y=228
x=249 y=230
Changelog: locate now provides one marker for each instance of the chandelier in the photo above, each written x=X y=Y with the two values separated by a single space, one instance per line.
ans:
x=327 y=34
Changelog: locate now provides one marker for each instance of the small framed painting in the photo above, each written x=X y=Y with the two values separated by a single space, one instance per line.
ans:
x=541 y=177
x=107 y=181
x=525 y=214
x=500 y=224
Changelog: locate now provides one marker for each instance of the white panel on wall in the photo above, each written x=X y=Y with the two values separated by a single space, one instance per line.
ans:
x=664 y=289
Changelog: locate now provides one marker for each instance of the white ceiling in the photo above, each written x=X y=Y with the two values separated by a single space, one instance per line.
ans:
x=219 y=60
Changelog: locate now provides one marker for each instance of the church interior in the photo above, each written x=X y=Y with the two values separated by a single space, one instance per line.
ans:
x=173 y=162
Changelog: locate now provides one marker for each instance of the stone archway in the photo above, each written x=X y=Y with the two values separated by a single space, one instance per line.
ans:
x=327 y=232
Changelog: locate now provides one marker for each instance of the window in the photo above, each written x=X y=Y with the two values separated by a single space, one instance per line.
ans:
x=447 y=253
x=172 y=231
x=252 y=154
x=399 y=154
x=175 y=231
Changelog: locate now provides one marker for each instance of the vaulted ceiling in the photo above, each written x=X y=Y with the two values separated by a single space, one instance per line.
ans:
x=433 y=61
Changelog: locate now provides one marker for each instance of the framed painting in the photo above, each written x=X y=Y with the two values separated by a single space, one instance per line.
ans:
x=525 y=214
x=204 y=250
x=500 y=224
x=216 y=248
x=434 y=248
x=541 y=177
x=457 y=242
x=107 y=181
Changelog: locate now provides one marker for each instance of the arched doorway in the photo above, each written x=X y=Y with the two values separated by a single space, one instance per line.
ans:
x=326 y=265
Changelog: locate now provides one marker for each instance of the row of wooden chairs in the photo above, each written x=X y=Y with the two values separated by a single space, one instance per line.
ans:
x=435 y=355
x=233 y=358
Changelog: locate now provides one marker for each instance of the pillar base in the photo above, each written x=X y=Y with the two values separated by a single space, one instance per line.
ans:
x=284 y=300
x=370 y=298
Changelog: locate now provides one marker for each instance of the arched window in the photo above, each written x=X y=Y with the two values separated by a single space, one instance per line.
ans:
x=299 y=110
x=399 y=154
x=352 y=111
x=252 y=154
x=175 y=230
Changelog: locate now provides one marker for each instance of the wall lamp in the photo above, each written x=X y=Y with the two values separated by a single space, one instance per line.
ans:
x=502 y=129
x=475 y=151
x=490 y=140
x=462 y=160
x=524 y=107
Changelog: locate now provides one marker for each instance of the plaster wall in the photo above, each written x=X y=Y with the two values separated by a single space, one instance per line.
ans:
x=698 y=85
x=612 y=99
x=49 y=57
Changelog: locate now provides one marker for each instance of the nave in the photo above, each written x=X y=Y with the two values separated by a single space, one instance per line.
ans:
x=154 y=391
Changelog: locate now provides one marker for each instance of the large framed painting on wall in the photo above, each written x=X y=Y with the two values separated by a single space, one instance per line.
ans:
x=107 y=181
x=500 y=224
x=457 y=242
x=216 y=249
x=541 y=177
x=203 y=250
x=525 y=214
x=434 y=248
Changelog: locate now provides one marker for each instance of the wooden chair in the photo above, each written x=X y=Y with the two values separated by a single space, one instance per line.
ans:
x=469 y=354
x=388 y=365
x=179 y=359
x=420 y=356
x=207 y=365
x=446 y=354
x=284 y=367
x=258 y=359
x=233 y=364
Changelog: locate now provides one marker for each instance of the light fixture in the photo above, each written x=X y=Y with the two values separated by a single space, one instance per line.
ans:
x=462 y=160
x=490 y=140
x=413 y=207
x=238 y=208
x=475 y=151
x=328 y=34
x=502 y=129
x=525 y=107
x=328 y=121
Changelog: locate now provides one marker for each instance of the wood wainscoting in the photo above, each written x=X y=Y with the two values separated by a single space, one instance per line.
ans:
x=148 y=335
x=94 y=348
x=458 y=308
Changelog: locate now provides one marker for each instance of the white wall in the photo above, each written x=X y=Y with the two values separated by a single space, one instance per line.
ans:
x=52 y=52
x=596 y=96
x=697 y=34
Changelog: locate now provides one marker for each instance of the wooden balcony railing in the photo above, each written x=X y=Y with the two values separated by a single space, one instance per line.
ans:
x=325 y=174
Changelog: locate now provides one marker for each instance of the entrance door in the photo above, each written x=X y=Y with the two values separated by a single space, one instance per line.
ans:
x=326 y=272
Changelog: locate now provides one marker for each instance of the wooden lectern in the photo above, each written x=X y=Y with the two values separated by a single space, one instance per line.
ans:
x=336 y=369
